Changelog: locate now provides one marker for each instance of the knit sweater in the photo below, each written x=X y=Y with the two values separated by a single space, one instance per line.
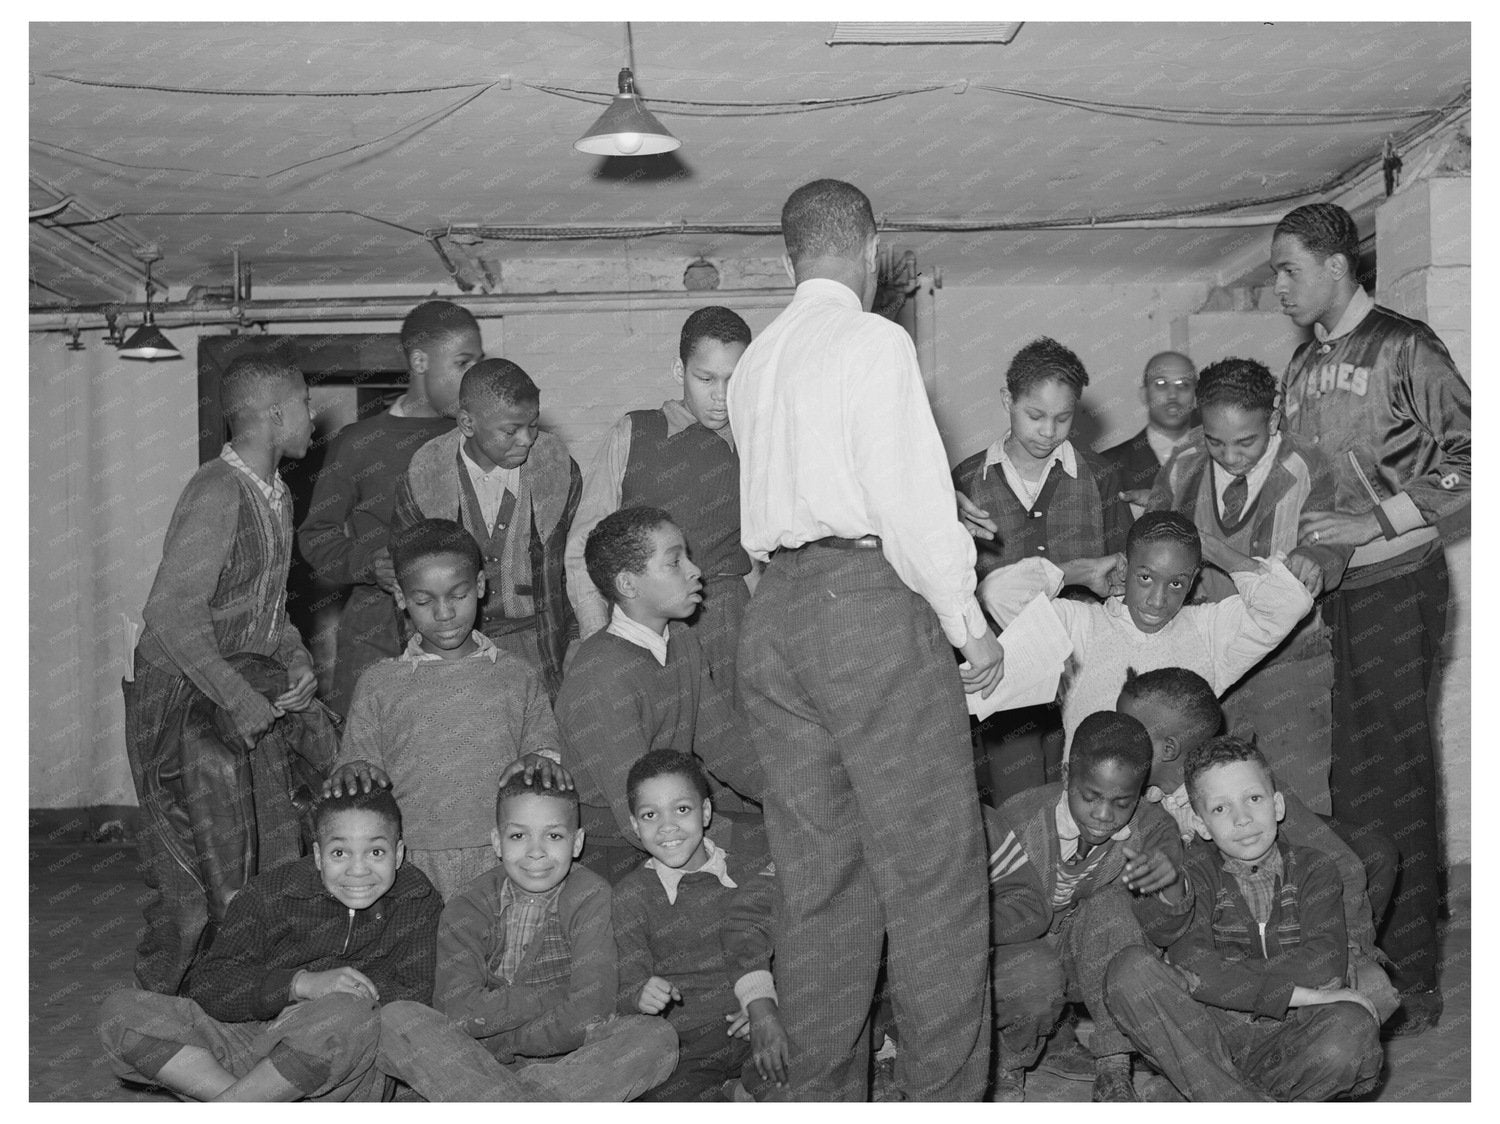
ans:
x=1220 y=641
x=1232 y=961
x=618 y=703
x=221 y=585
x=1025 y=852
x=286 y=921
x=567 y=978
x=704 y=943
x=444 y=730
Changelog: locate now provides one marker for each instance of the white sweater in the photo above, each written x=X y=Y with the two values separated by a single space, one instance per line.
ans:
x=1220 y=641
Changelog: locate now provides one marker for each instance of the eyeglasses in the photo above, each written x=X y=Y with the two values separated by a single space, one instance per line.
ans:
x=1175 y=384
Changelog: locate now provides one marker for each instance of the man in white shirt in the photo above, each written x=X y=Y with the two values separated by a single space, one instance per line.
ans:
x=846 y=674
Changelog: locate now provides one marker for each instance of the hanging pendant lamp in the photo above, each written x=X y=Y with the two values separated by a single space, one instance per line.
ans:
x=627 y=127
x=148 y=341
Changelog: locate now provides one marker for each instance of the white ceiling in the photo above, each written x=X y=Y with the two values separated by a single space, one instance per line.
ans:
x=201 y=174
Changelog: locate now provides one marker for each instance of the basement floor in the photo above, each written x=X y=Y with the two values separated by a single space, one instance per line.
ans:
x=85 y=920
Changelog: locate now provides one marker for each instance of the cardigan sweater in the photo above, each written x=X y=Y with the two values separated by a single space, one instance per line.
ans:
x=444 y=730
x=567 y=978
x=432 y=489
x=1073 y=517
x=618 y=703
x=221 y=585
x=704 y=943
x=286 y=921
x=1233 y=962
x=1025 y=853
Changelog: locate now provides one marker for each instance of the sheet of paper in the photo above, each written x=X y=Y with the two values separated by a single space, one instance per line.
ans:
x=1036 y=648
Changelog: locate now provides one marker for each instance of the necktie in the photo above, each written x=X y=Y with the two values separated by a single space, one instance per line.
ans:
x=1234 y=499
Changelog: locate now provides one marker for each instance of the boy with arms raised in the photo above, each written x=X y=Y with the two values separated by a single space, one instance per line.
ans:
x=1145 y=625
x=1250 y=1003
x=692 y=927
x=345 y=537
x=1180 y=712
x=515 y=489
x=220 y=591
x=450 y=718
x=526 y=978
x=1049 y=499
x=282 y=1006
x=643 y=684
x=1064 y=863
x=1246 y=486
x=680 y=458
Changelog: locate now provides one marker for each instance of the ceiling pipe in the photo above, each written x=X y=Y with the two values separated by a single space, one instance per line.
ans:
x=336 y=309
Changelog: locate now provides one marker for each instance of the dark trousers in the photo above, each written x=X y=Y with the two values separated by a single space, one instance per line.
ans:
x=707 y=1057
x=1017 y=749
x=717 y=625
x=1380 y=859
x=1030 y=980
x=856 y=712
x=1386 y=641
x=1211 y=1054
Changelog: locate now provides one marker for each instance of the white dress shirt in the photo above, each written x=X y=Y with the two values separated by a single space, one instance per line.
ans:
x=490 y=486
x=836 y=438
x=638 y=634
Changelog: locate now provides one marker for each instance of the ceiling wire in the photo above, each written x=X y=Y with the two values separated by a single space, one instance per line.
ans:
x=153 y=87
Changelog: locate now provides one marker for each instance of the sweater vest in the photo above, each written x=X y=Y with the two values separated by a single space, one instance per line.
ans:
x=694 y=475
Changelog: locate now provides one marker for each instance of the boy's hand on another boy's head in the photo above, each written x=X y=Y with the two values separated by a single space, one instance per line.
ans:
x=551 y=774
x=1150 y=872
x=349 y=981
x=253 y=717
x=769 y=1045
x=356 y=776
x=657 y=995
x=383 y=571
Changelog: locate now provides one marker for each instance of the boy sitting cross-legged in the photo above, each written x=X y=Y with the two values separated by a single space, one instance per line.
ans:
x=642 y=683
x=450 y=719
x=1250 y=1003
x=526 y=978
x=1180 y=712
x=282 y=1006
x=1069 y=865
x=1146 y=623
x=692 y=927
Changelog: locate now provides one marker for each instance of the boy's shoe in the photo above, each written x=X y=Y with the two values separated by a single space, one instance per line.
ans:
x=1419 y=1012
x=1009 y=1087
x=1065 y=1057
x=1113 y=1085
x=735 y=1091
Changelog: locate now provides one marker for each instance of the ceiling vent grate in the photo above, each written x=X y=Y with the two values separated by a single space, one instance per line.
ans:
x=899 y=34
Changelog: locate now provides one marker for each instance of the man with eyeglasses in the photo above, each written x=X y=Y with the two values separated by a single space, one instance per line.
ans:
x=1169 y=384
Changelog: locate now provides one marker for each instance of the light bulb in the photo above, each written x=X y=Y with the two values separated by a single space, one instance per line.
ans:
x=628 y=143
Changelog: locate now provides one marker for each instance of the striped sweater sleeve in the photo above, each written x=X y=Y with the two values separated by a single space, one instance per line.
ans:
x=1019 y=908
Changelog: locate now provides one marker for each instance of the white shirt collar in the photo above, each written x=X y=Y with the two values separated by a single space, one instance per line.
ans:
x=679 y=417
x=1163 y=445
x=510 y=477
x=1357 y=309
x=275 y=491
x=827 y=288
x=416 y=654
x=716 y=865
x=1064 y=454
x=638 y=634
x=1254 y=479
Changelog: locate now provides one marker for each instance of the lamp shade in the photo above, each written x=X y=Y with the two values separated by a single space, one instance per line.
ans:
x=627 y=127
x=147 y=342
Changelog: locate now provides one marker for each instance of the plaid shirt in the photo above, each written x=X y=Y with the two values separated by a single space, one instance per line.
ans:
x=275 y=492
x=521 y=917
x=1257 y=882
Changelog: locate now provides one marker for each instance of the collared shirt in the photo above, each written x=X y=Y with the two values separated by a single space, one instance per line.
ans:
x=638 y=634
x=1254 y=479
x=1177 y=805
x=716 y=865
x=1357 y=309
x=275 y=492
x=521 y=917
x=1163 y=445
x=836 y=438
x=490 y=486
x=415 y=653
x=1068 y=879
x=1257 y=882
x=1027 y=490
x=1067 y=829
